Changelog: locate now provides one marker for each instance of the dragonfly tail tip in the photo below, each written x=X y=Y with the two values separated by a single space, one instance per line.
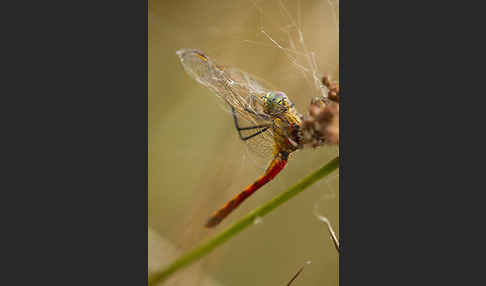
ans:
x=212 y=222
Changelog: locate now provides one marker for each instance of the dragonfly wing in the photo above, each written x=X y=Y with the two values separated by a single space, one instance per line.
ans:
x=238 y=89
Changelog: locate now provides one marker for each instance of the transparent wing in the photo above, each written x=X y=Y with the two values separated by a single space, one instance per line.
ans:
x=237 y=89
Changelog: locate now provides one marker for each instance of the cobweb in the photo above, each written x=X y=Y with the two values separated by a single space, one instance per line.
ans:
x=320 y=210
x=280 y=29
x=286 y=34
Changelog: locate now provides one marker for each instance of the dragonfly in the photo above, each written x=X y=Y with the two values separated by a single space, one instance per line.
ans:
x=273 y=117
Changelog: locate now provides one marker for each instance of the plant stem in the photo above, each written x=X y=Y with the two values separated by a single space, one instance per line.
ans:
x=238 y=226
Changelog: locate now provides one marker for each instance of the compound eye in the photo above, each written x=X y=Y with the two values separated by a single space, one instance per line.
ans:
x=280 y=97
x=276 y=102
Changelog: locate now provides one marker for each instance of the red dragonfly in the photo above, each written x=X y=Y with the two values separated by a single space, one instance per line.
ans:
x=273 y=116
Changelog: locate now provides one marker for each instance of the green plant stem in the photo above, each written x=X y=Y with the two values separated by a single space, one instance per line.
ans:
x=238 y=226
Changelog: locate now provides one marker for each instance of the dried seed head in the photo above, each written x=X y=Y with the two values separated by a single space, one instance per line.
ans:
x=322 y=124
x=333 y=88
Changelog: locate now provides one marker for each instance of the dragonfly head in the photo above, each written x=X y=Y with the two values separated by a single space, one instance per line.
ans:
x=276 y=102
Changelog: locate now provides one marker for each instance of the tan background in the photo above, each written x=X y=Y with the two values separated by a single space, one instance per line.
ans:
x=197 y=162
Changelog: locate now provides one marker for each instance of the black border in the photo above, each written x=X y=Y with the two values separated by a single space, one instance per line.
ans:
x=77 y=142
x=404 y=98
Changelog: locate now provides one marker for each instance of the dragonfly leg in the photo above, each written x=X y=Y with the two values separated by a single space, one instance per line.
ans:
x=252 y=135
x=239 y=129
x=261 y=115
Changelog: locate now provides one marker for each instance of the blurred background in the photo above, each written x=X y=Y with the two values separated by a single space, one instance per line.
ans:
x=197 y=161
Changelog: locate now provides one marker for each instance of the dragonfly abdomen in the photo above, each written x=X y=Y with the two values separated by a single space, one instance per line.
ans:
x=277 y=164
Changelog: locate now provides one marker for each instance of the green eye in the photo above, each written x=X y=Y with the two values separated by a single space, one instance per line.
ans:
x=275 y=102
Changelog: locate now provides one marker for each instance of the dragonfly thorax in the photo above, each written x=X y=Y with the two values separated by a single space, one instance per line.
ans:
x=276 y=102
x=286 y=120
